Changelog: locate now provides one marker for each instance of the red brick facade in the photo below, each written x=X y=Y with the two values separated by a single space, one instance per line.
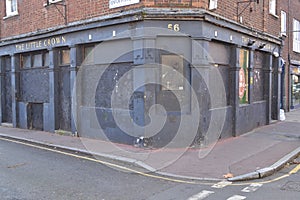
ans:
x=292 y=13
x=291 y=8
x=251 y=14
x=34 y=16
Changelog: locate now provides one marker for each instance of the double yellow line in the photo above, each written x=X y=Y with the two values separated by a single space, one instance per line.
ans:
x=293 y=171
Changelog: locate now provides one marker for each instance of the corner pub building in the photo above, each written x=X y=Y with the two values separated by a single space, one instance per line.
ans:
x=45 y=44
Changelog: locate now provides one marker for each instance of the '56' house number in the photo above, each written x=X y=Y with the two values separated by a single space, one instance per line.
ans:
x=174 y=27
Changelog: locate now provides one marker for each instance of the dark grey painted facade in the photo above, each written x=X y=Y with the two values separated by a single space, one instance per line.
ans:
x=6 y=100
x=46 y=98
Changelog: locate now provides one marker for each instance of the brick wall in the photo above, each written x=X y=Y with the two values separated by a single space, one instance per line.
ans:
x=253 y=15
x=292 y=13
x=33 y=16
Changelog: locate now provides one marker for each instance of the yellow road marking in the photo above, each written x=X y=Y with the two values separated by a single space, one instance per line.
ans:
x=262 y=182
x=295 y=170
x=102 y=162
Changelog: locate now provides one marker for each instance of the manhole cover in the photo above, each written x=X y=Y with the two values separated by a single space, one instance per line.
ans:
x=292 y=186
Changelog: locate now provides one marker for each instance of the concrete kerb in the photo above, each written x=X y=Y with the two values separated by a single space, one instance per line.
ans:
x=108 y=156
x=189 y=177
x=82 y=151
x=267 y=171
x=261 y=173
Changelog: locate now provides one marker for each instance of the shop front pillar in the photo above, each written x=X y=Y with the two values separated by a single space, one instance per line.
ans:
x=251 y=76
x=268 y=87
x=73 y=72
x=234 y=89
x=2 y=72
x=200 y=80
x=14 y=88
x=277 y=91
x=50 y=107
x=144 y=53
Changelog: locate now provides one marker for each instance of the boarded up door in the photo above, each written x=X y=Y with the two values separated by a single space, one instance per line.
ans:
x=35 y=116
x=64 y=99
x=6 y=91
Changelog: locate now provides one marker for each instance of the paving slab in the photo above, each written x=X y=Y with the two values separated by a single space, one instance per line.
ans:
x=246 y=154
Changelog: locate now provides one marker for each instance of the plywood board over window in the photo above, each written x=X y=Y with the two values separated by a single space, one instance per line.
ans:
x=64 y=57
x=172 y=72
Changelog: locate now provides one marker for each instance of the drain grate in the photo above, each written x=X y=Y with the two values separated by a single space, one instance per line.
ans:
x=291 y=186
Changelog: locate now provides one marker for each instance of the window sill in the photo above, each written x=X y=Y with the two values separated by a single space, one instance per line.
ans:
x=296 y=51
x=54 y=1
x=11 y=15
x=274 y=15
x=283 y=35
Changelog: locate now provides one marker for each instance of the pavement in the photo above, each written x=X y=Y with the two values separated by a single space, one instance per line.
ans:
x=253 y=155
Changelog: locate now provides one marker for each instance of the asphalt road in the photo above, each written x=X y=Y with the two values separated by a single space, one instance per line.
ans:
x=29 y=173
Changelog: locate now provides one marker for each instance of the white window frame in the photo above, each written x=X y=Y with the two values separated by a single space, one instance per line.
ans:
x=283 y=23
x=213 y=4
x=272 y=7
x=296 y=36
x=53 y=1
x=11 y=7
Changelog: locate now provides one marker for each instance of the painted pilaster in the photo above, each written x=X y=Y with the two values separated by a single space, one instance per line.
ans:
x=50 y=108
x=2 y=72
x=268 y=87
x=234 y=89
x=73 y=72
x=278 y=71
x=143 y=56
x=251 y=75
x=14 y=88
x=200 y=71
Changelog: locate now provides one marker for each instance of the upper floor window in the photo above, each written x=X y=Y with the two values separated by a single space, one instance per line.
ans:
x=272 y=7
x=11 y=7
x=213 y=4
x=283 y=23
x=296 y=35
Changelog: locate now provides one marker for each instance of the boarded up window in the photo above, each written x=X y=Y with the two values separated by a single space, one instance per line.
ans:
x=172 y=74
x=64 y=57
x=258 y=77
